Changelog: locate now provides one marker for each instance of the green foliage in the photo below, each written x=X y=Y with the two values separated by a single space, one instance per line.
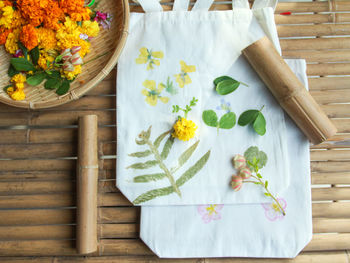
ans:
x=169 y=87
x=222 y=78
x=36 y=79
x=63 y=88
x=187 y=109
x=255 y=117
x=225 y=85
x=227 y=121
x=6 y=87
x=34 y=55
x=165 y=173
x=52 y=83
x=21 y=64
x=255 y=158
x=12 y=71
x=24 y=49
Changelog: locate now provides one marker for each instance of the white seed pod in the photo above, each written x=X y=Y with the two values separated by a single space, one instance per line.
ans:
x=236 y=183
x=245 y=173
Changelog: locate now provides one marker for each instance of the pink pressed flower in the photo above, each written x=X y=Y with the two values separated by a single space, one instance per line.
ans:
x=273 y=211
x=209 y=212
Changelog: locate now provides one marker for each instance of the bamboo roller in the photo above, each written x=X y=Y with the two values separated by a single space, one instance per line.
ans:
x=87 y=183
x=289 y=91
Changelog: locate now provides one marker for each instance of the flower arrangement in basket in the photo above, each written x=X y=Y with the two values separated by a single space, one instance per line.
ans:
x=47 y=40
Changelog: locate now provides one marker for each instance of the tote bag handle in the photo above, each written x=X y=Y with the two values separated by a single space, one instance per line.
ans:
x=150 y=6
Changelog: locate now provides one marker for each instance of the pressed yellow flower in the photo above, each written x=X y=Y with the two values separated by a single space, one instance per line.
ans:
x=11 y=41
x=148 y=57
x=90 y=28
x=46 y=38
x=10 y=90
x=18 y=94
x=184 y=129
x=18 y=78
x=152 y=93
x=72 y=74
x=183 y=78
x=6 y=15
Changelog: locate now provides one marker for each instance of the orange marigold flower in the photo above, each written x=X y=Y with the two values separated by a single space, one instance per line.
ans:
x=33 y=10
x=53 y=14
x=3 y=34
x=29 y=37
x=75 y=9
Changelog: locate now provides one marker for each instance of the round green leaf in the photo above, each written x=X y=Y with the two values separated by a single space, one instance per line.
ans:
x=64 y=87
x=247 y=117
x=227 y=86
x=21 y=64
x=219 y=79
x=36 y=79
x=260 y=124
x=210 y=118
x=52 y=84
x=227 y=121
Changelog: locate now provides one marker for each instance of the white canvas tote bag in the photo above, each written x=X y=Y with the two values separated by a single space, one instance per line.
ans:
x=169 y=59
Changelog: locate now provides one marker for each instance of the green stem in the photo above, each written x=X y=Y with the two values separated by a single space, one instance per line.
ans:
x=163 y=167
x=262 y=108
x=244 y=84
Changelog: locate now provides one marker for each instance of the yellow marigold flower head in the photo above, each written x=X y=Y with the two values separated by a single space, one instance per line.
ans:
x=72 y=74
x=19 y=86
x=18 y=95
x=6 y=15
x=46 y=38
x=18 y=78
x=90 y=28
x=10 y=90
x=184 y=129
x=11 y=43
x=17 y=20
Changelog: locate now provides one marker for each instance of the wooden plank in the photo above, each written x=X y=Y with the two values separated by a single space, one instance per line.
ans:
x=42 y=187
x=331 y=210
x=330 y=178
x=123 y=247
x=331 y=96
x=37 y=201
x=119 y=230
x=13 y=136
x=328 y=69
x=315 y=43
x=119 y=214
x=319 y=56
x=334 y=193
x=39 y=165
x=329 y=242
x=332 y=83
x=312 y=18
x=336 y=110
x=337 y=141
x=330 y=155
x=302 y=7
x=313 y=30
x=343 y=125
x=43 y=232
x=325 y=225
x=30 y=176
x=326 y=167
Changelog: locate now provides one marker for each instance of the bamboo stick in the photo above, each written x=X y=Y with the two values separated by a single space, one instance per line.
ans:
x=46 y=232
x=323 y=167
x=328 y=69
x=119 y=230
x=319 y=56
x=330 y=178
x=313 y=30
x=289 y=91
x=331 y=210
x=315 y=43
x=301 y=7
x=330 y=155
x=325 y=225
x=331 y=96
x=37 y=217
x=329 y=83
x=334 y=193
x=329 y=242
x=119 y=214
x=87 y=179
x=312 y=18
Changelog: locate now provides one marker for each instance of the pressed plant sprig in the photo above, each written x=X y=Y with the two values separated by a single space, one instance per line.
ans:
x=256 y=118
x=225 y=85
x=249 y=167
x=187 y=109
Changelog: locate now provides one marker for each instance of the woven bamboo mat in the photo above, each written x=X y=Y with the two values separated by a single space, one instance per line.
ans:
x=38 y=155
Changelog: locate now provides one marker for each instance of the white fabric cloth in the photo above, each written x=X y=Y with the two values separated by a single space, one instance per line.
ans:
x=209 y=43
x=249 y=230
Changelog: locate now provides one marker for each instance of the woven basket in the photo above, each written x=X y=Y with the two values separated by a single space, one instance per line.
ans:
x=104 y=53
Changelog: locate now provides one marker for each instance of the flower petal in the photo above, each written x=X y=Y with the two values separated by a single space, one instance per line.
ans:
x=164 y=99
x=152 y=100
x=157 y=54
x=149 y=84
x=144 y=52
x=144 y=92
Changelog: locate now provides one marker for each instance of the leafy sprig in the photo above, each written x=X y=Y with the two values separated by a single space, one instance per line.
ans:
x=187 y=109
x=254 y=117
x=227 y=121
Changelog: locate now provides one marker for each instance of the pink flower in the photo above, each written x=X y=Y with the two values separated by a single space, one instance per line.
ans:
x=18 y=53
x=104 y=19
x=209 y=212
x=273 y=211
x=83 y=36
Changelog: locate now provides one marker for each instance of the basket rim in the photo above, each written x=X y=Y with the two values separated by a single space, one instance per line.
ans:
x=81 y=90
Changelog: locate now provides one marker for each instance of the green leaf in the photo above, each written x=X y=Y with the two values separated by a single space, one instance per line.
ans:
x=64 y=87
x=24 y=49
x=253 y=153
x=210 y=118
x=267 y=194
x=149 y=195
x=187 y=154
x=227 y=121
x=55 y=74
x=141 y=154
x=193 y=170
x=259 y=175
x=35 y=54
x=266 y=184
x=227 y=86
x=52 y=84
x=160 y=139
x=222 y=78
x=12 y=71
x=247 y=117
x=21 y=64
x=140 y=142
x=149 y=177
x=144 y=165
x=36 y=79
x=260 y=124
x=167 y=147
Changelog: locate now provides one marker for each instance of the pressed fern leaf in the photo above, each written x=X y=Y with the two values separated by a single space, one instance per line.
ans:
x=149 y=177
x=167 y=147
x=144 y=165
x=160 y=139
x=141 y=154
x=153 y=194
x=187 y=154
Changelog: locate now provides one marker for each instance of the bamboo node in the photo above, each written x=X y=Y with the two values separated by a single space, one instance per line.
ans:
x=31 y=105
x=73 y=95
x=104 y=72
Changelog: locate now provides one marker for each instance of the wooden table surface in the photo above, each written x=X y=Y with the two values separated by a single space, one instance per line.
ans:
x=38 y=157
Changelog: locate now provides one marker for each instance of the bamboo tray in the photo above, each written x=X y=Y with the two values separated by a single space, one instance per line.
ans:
x=104 y=53
x=38 y=157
